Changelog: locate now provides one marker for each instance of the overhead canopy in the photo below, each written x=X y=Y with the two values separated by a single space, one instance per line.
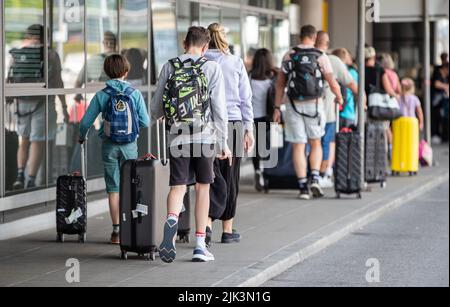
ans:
x=412 y=10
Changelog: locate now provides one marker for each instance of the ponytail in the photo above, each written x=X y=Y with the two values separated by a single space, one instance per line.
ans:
x=218 y=38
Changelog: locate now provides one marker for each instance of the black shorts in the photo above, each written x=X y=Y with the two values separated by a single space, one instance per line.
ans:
x=190 y=169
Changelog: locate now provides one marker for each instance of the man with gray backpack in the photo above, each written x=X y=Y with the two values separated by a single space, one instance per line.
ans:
x=190 y=95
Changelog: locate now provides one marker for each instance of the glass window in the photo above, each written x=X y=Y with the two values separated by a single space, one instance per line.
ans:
x=209 y=15
x=64 y=149
x=165 y=42
x=231 y=19
x=66 y=52
x=269 y=4
x=25 y=139
x=24 y=39
x=281 y=39
x=251 y=38
x=101 y=29
x=188 y=14
x=134 y=39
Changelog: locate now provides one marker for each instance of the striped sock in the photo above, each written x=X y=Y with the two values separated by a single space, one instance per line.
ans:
x=303 y=183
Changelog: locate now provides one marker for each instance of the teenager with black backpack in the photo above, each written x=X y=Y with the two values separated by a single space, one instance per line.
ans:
x=305 y=69
x=190 y=95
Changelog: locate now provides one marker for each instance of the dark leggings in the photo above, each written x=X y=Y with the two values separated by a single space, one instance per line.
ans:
x=225 y=189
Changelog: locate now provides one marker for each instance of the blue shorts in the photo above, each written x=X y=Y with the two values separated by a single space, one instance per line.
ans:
x=114 y=155
x=330 y=137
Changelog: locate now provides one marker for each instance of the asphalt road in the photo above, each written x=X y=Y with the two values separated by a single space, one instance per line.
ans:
x=408 y=247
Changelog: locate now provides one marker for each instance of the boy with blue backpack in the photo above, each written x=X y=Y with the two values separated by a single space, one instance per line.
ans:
x=124 y=112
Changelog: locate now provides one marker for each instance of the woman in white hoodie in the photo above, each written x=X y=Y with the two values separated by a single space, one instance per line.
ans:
x=225 y=190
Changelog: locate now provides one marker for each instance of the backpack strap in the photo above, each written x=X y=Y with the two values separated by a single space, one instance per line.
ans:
x=110 y=91
x=129 y=91
x=176 y=63
x=200 y=62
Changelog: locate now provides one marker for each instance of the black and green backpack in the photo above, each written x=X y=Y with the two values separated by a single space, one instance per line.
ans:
x=186 y=96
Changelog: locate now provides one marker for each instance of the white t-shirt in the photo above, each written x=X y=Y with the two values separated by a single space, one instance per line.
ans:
x=343 y=76
x=260 y=89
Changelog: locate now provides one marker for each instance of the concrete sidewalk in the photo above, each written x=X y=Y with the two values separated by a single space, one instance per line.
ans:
x=278 y=232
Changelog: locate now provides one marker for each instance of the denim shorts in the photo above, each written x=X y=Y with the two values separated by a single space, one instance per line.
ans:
x=330 y=137
x=114 y=155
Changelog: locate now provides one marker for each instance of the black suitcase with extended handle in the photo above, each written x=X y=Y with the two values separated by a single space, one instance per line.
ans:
x=71 y=204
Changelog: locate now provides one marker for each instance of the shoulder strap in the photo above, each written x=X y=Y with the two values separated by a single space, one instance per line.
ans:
x=129 y=91
x=176 y=63
x=200 y=62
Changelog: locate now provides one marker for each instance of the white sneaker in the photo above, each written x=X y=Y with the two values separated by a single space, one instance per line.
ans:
x=202 y=255
x=326 y=182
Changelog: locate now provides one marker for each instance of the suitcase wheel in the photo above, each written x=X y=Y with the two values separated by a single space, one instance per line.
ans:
x=82 y=238
x=124 y=255
x=184 y=238
x=60 y=238
x=150 y=256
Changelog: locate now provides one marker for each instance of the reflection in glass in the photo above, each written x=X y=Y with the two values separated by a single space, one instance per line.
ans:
x=66 y=36
x=101 y=29
x=231 y=19
x=134 y=35
x=62 y=148
x=24 y=36
x=165 y=42
x=209 y=15
x=188 y=14
x=25 y=125
x=281 y=39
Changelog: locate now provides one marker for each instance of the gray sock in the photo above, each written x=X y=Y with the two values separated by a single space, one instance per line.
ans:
x=116 y=228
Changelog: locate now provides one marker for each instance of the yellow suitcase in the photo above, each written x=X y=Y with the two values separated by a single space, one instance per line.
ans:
x=405 y=147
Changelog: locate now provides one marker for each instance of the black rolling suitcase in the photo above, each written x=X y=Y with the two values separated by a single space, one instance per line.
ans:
x=143 y=195
x=348 y=164
x=376 y=153
x=184 y=221
x=71 y=204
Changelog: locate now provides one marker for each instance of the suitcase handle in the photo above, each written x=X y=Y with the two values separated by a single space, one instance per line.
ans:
x=161 y=155
x=83 y=161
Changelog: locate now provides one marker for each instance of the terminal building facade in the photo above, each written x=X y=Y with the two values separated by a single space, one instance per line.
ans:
x=52 y=52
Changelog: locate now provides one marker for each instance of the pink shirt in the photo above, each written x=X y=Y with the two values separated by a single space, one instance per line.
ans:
x=395 y=81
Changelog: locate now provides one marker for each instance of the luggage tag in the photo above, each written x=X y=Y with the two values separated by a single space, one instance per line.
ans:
x=142 y=209
x=276 y=135
x=74 y=216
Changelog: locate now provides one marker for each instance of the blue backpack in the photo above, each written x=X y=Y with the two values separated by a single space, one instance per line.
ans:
x=121 y=120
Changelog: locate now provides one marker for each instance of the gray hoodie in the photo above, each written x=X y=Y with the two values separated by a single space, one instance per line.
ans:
x=217 y=131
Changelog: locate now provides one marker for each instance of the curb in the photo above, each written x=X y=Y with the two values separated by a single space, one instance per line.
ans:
x=281 y=261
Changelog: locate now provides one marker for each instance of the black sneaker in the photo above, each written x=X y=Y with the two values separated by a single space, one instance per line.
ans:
x=228 y=238
x=304 y=194
x=316 y=189
x=259 y=181
x=31 y=184
x=208 y=238
x=19 y=184
x=167 y=250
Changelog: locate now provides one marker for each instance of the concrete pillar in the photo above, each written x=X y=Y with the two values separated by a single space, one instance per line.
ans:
x=311 y=12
